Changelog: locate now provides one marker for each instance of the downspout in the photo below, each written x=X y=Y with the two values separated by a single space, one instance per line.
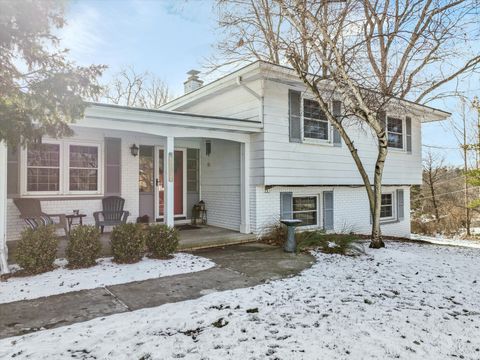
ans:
x=3 y=210
x=260 y=97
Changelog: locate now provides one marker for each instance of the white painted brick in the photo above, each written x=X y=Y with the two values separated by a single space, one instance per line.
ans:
x=351 y=211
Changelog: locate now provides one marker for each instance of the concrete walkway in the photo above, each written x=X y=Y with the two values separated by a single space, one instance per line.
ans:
x=237 y=266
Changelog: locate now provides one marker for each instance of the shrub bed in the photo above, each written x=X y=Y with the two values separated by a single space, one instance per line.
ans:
x=37 y=249
x=161 y=241
x=128 y=243
x=343 y=244
x=83 y=247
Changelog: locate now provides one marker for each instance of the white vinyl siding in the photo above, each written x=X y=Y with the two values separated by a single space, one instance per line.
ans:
x=308 y=163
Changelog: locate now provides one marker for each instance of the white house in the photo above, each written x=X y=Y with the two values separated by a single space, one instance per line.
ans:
x=252 y=145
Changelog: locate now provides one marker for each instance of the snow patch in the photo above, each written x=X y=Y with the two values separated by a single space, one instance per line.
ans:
x=407 y=301
x=105 y=273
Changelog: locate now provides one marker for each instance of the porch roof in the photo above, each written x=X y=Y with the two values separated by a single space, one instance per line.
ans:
x=133 y=116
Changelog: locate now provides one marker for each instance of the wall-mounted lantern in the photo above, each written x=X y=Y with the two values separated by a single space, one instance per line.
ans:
x=208 y=147
x=134 y=150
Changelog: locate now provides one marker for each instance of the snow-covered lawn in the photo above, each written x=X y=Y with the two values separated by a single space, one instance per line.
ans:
x=442 y=240
x=408 y=301
x=106 y=272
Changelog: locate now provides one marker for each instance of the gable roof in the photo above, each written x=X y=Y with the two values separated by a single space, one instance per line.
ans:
x=269 y=71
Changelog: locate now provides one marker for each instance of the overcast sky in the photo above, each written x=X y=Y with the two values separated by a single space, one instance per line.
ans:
x=171 y=37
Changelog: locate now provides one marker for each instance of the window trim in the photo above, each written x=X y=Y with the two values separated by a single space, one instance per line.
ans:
x=394 y=208
x=24 y=171
x=317 y=210
x=308 y=140
x=64 y=173
x=404 y=132
x=66 y=150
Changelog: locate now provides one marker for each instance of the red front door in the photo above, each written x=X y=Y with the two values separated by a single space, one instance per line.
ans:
x=177 y=182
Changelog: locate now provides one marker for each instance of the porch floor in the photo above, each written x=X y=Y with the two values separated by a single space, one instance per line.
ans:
x=202 y=236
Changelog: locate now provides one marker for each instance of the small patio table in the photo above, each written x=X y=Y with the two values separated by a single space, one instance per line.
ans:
x=71 y=217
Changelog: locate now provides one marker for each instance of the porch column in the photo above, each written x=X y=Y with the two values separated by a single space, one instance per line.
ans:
x=245 y=187
x=3 y=209
x=169 y=172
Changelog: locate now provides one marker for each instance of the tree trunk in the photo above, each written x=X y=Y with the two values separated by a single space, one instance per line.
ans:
x=377 y=240
x=434 y=199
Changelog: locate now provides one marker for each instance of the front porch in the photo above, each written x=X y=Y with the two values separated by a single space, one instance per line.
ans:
x=191 y=238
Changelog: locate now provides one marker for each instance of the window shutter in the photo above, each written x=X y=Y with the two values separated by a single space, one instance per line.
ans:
x=113 y=166
x=408 y=122
x=13 y=159
x=328 y=210
x=337 y=112
x=286 y=205
x=294 y=110
x=400 y=205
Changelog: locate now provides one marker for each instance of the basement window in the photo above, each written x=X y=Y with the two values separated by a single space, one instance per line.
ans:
x=305 y=209
x=386 y=210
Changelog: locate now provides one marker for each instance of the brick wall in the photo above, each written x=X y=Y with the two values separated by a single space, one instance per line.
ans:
x=350 y=209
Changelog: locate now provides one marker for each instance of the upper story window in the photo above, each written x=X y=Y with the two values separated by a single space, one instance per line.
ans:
x=315 y=123
x=395 y=132
x=59 y=167
x=43 y=168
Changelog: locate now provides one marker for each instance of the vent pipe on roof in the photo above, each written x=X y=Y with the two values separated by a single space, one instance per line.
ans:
x=193 y=82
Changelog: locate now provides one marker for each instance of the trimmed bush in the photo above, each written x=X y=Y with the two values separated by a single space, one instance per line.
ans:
x=83 y=247
x=37 y=249
x=128 y=243
x=161 y=241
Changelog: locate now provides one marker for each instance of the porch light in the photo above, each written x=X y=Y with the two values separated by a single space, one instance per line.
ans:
x=208 y=147
x=134 y=150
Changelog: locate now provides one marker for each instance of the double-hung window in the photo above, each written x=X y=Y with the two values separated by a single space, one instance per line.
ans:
x=395 y=132
x=315 y=123
x=83 y=168
x=305 y=208
x=43 y=168
x=386 y=209
x=63 y=168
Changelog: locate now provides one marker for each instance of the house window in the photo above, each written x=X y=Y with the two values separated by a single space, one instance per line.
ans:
x=83 y=168
x=395 y=133
x=386 y=209
x=305 y=209
x=43 y=168
x=192 y=170
x=315 y=123
x=62 y=168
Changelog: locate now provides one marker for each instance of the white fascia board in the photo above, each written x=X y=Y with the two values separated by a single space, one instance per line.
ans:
x=138 y=117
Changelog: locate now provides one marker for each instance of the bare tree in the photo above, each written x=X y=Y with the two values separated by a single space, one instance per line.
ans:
x=141 y=89
x=253 y=30
x=373 y=55
x=432 y=174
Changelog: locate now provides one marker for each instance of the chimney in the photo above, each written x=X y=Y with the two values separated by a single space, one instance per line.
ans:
x=193 y=82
